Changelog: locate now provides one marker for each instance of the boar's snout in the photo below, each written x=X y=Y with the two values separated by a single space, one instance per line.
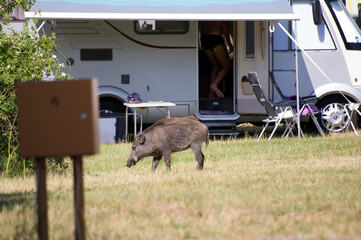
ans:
x=131 y=162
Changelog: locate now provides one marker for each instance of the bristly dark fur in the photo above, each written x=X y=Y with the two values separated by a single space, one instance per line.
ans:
x=170 y=135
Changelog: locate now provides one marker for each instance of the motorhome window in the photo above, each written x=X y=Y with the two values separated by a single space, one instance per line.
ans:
x=161 y=27
x=309 y=35
x=96 y=54
x=250 y=44
x=349 y=30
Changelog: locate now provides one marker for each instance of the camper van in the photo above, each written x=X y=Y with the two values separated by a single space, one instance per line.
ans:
x=153 y=48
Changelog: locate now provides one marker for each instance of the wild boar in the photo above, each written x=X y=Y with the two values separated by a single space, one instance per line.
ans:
x=167 y=136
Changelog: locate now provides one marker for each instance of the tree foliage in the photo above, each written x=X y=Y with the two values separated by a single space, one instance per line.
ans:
x=7 y=7
x=24 y=56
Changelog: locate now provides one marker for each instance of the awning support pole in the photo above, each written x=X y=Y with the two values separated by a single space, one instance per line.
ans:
x=297 y=85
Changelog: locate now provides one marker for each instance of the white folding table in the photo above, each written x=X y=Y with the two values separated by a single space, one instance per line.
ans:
x=142 y=106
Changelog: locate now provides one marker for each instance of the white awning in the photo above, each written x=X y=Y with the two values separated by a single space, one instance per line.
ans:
x=163 y=9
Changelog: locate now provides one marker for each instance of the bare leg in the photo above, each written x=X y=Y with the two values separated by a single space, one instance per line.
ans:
x=221 y=55
x=215 y=69
x=155 y=163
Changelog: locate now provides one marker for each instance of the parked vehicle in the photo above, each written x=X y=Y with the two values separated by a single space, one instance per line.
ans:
x=154 y=49
x=331 y=38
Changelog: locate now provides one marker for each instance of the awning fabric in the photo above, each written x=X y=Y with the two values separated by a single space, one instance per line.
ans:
x=164 y=9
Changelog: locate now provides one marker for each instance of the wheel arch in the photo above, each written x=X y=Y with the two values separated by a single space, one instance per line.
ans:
x=338 y=90
x=110 y=91
x=112 y=95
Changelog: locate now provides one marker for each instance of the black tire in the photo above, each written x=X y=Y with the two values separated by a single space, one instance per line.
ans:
x=111 y=105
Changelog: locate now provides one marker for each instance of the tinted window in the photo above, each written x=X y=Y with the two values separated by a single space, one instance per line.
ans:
x=350 y=32
x=161 y=27
x=97 y=54
x=250 y=40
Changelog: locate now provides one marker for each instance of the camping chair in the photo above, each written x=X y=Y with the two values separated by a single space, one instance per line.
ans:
x=277 y=112
x=307 y=110
x=352 y=107
x=275 y=85
x=306 y=102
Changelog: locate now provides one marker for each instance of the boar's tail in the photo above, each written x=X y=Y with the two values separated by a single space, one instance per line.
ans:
x=207 y=140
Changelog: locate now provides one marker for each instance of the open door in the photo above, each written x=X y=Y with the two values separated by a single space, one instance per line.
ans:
x=252 y=56
x=222 y=102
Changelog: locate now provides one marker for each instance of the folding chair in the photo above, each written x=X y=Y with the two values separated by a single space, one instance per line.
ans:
x=352 y=107
x=305 y=101
x=306 y=109
x=277 y=111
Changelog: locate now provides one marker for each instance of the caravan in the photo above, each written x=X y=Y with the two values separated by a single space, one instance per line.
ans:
x=154 y=48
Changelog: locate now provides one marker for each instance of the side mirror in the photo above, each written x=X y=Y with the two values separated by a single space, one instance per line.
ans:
x=316 y=12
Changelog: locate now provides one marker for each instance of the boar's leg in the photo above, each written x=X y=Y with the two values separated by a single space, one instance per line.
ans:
x=197 y=149
x=167 y=160
x=156 y=160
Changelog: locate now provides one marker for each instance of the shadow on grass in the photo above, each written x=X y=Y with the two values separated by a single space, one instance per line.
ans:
x=22 y=225
x=248 y=130
x=11 y=200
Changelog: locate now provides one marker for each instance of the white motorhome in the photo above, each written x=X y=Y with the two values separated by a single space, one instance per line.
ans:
x=329 y=37
x=153 y=48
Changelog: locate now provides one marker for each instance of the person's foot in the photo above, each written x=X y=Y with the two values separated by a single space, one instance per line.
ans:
x=212 y=94
x=215 y=89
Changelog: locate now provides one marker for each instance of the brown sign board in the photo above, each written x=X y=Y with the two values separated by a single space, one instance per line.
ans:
x=58 y=118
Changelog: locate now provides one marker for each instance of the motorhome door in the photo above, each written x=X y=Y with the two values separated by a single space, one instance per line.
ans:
x=216 y=68
x=252 y=56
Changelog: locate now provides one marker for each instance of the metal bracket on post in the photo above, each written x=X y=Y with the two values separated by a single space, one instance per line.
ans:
x=272 y=26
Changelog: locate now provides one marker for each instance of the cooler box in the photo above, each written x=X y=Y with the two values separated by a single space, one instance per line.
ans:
x=111 y=127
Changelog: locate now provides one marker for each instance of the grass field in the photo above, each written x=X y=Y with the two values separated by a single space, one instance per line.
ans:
x=282 y=189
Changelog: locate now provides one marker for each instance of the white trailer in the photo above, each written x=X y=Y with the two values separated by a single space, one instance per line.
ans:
x=153 y=48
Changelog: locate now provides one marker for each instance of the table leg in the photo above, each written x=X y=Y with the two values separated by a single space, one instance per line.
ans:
x=126 y=123
x=135 y=122
x=167 y=113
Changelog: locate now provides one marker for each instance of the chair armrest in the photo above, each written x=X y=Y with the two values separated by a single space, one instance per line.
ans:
x=286 y=103
x=309 y=99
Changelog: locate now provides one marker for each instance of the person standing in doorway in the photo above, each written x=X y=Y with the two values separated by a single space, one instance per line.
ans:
x=214 y=34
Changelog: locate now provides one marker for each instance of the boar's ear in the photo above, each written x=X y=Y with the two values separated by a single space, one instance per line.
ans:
x=142 y=139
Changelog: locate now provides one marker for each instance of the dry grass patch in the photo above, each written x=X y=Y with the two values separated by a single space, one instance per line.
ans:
x=295 y=189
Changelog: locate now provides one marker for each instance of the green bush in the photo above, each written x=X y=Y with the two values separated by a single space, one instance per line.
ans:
x=24 y=56
x=6 y=7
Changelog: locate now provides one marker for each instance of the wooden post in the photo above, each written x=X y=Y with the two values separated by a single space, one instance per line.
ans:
x=78 y=197
x=77 y=134
x=41 y=198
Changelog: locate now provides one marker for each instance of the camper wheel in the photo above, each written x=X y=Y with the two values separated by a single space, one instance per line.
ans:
x=333 y=116
x=111 y=105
